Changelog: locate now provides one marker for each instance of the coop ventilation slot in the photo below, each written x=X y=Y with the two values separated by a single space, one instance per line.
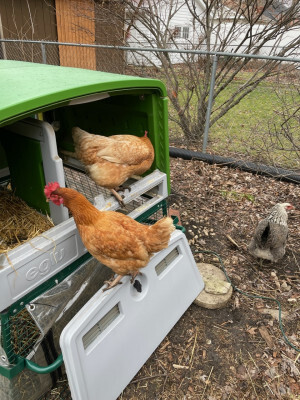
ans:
x=100 y=326
x=163 y=265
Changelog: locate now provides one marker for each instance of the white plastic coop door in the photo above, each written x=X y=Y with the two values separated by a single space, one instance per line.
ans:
x=114 y=334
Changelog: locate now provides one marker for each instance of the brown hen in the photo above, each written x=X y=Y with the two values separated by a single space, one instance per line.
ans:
x=111 y=160
x=116 y=240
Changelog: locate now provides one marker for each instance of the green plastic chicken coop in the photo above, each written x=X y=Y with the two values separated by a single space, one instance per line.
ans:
x=45 y=282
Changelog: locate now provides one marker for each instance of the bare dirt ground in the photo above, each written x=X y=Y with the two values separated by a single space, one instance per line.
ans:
x=237 y=352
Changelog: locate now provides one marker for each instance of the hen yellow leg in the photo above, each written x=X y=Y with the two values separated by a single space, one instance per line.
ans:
x=133 y=276
x=113 y=283
x=118 y=197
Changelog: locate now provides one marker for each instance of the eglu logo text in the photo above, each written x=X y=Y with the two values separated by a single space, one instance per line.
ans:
x=45 y=266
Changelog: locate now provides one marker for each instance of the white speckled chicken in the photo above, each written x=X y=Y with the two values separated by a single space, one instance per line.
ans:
x=270 y=236
x=111 y=160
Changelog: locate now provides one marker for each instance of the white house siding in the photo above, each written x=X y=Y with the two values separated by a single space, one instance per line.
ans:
x=183 y=18
x=272 y=47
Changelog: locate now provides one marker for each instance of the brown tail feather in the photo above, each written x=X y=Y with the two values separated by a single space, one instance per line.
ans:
x=159 y=234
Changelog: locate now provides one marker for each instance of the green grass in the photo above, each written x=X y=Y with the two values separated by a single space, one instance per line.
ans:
x=254 y=111
x=244 y=130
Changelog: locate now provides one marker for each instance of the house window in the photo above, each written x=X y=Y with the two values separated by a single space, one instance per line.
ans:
x=185 y=32
x=177 y=32
x=181 y=32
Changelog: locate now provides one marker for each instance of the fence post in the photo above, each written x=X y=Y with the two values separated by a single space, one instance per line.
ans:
x=2 y=43
x=210 y=102
x=44 y=56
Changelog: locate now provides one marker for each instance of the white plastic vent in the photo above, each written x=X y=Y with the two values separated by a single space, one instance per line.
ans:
x=100 y=326
x=163 y=265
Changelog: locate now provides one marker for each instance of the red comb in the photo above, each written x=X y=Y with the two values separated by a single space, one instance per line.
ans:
x=50 y=188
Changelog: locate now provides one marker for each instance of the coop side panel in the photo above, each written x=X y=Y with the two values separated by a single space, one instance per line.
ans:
x=161 y=136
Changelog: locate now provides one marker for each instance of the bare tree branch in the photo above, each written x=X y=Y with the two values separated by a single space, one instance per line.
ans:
x=233 y=26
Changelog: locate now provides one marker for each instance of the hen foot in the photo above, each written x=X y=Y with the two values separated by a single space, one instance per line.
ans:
x=133 y=276
x=122 y=188
x=112 y=283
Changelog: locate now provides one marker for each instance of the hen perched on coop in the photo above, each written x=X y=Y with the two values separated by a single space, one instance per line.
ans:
x=270 y=236
x=116 y=240
x=111 y=160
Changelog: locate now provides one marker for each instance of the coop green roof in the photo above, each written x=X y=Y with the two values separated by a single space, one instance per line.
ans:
x=27 y=88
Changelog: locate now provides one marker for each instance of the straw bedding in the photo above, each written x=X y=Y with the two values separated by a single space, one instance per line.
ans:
x=18 y=221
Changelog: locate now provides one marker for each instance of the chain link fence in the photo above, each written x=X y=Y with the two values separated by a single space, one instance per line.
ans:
x=249 y=104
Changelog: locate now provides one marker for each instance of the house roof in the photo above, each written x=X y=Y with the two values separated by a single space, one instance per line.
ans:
x=271 y=12
x=275 y=9
x=27 y=88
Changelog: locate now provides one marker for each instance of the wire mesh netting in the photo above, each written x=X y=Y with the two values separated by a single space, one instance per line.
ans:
x=79 y=181
x=23 y=334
